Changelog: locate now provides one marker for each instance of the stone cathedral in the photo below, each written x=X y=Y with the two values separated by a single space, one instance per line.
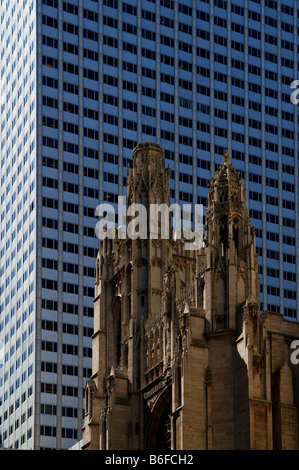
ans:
x=183 y=358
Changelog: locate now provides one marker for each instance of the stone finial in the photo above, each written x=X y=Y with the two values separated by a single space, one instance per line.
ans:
x=226 y=156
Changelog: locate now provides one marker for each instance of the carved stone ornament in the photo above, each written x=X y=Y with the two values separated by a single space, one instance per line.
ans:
x=152 y=395
x=257 y=362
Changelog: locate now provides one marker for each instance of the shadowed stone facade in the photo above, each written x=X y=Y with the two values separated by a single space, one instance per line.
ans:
x=182 y=356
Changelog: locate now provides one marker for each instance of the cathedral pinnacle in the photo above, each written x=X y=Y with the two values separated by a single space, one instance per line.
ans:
x=226 y=156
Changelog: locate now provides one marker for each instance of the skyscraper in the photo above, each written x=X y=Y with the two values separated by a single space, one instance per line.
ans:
x=81 y=83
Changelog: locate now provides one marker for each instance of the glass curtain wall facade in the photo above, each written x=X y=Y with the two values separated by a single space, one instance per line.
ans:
x=81 y=83
x=18 y=223
x=49 y=192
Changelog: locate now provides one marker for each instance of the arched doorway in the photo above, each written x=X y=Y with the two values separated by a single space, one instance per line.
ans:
x=158 y=430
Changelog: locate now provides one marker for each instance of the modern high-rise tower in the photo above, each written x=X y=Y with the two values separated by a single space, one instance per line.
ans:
x=82 y=82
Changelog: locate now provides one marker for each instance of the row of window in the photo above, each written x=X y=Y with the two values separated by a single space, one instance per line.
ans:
x=183 y=121
x=204 y=90
x=131 y=106
x=273 y=290
x=66 y=369
x=169 y=117
x=274 y=254
x=70 y=168
x=187 y=10
x=167 y=22
x=184 y=140
x=272 y=272
x=185 y=196
x=203 y=34
x=66 y=348
x=65 y=410
x=67 y=390
x=166 y=116
x=112 y=178
x=69 y=328
x=72 y=129
x=67 y=308
x=168 y=41
x=68 y=207
x=67 y=433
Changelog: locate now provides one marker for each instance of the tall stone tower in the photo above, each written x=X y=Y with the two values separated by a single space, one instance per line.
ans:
x=182 y=356
x=228 y=291
x=132 y=337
